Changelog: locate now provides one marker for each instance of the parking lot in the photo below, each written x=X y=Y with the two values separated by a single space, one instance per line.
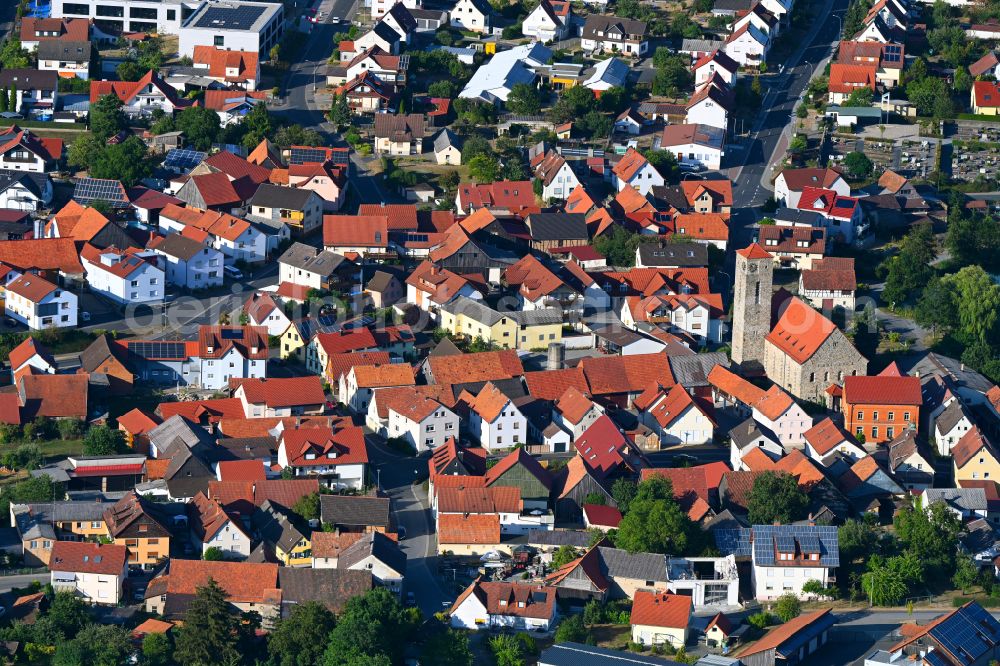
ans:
x=907 y=157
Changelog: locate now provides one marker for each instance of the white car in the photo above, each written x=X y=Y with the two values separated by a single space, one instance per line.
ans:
x=233 y=272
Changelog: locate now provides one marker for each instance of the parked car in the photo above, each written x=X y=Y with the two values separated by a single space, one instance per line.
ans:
x=233 y=272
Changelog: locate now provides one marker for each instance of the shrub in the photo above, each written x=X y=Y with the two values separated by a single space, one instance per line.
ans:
x=760 y=620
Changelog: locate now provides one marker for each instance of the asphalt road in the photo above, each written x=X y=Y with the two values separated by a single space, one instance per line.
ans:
x=778 y=107
x=8 y=583
x=396 y=475
x=306 y=77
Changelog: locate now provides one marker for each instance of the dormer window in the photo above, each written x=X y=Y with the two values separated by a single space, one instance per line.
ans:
x=310 y=456
x=331 y=455
x=503 y=602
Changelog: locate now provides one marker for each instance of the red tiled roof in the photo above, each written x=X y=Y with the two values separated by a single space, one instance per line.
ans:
x=882 y=390
x=601 y=446
x=27 y=350
x=283 y=391
x=476 y=367
x=74 y=30
x=127 y=91
x=825 y=436
x=399 y=217
x=475 y=499
x=798 y=179
x=626 y=374
x=659 y=609
x=347 y=444
x=243 y=496
x=477 y=528
x=827 y=202
x=378 y=376
x=346 y=341
x=602 y=516
x=340 y=364
x=58 y=254
x=219 y=60
x=775 y=637
x=241 y=470
x=754 y=251
x=137 y=422
x=506 y=194
x=55 y=396
x=800 y=331
x=217 y=341
x=243 y=582
x=629 y=165
x=87 y=557
x=552 y=384
x=369 y=231
x=846 y=78
x=196 y=410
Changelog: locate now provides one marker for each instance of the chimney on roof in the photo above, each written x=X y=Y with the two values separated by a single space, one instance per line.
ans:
x=434 y=269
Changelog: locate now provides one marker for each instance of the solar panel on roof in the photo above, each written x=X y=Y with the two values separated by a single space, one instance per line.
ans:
x=232 y=334
x=307 y=155
x=154 y=350
x=99 y=189
x=239 y=18
x=809 y=543
x=784 y=543
x=181 y=158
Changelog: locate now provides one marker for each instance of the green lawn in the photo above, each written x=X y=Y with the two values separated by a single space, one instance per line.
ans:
x=55 y=449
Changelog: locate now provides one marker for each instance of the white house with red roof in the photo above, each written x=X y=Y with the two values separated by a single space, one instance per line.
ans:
x=359 y=384
x=37 y=303
x=236 y=239
x=675 y=416
x=985 y=98
x=842 y=215
x=711 y=104
x=494 y=420
x=20 y=150
x=826 y=442
x=337 y=455
x=574 y=412
x=550 y=21
x=421 y=421
x=279 y=397
x=228 y=352
x=95 y=572
x=142 y=97
x=503 y=195
x=790 y=183
x=659 y=618
x=715 y=64
x=124 y=276
x=847 y=78
x=634 y=170
x=696 y=145
x=236 y=69
x=748 y=45
x=501 y=604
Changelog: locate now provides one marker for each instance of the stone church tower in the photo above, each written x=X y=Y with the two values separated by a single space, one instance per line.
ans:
x=752 y=294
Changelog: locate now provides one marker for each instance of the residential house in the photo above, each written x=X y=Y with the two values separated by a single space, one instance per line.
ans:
x=505 y=195
x=22 y=193
x=634 y=170
x=39 y=304
x=447 y=147
x=236 y=239
x=527 y=329
x=106 y=359
x=696 y=145
x=610 y=34
x=300 y=209
x=975 y=457
x=549 y=21
x=711 y=104
x=985 y=98
x=232 y=68
x=124 y=276
x=327 y=179
x=20 y=150
x=399 y=135
x=33 y=89
x=494 y=79
x=139 y=525
x=829 y=284
x=866 y=479
x=845 y=79
x=749 y=436
x=827 y=442
x=888 y=58
x=494 y=420
x=793 y=247
x=359 y=384
x=280 y=397
x=659 y=618
x=675 y=416
x=262 y=310
x=605 y=573
x=790 y=183
x=142 y=97
x=66 y=58
x=227 y=352
x=356 y=514
x=950 y=425
x=421 y=421
x=909 y=464
x=715 y=64
x=472 y=15
x=37 y=30
x=748 y=46
x=212 y=527
x=783 y=557
x=274 y=526
x=309 y=267
x=94 y=571
x=379 y=554
x=988 y=65
x=878 y=408
x=557 y=176
x=496 y=604
x=364 y=235
x=606 y=74
x=366 y=94
x=232 y=105
x=337 y=456
x=574 y=412
x=188 y=263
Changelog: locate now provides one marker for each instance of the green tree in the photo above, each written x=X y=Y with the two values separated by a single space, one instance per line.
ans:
x=130 y=70
x=371 y=625
x=95 y=645
x=936 y=308
x=614 y=100
x=524 y=99
x=572 y=630
x=860 y=97
x=858 y=165
x=655 y=522
x=507 y=650
x=474 y=146
x=484 y=169
x=963 y=80
x=106 y=117
x=68 y=614
x=300 y=639
x=563 y=556
x=13 y=56
x=157 y=650
x=966 y=573
x=798 y=144
x=931 y=536
x=776 y=497
x=618 y=245
x=127 y=161
x=3 y=103
x=297 y=135
x=340 y=111
x=209 y=633
x=623 y=490
x=200 y=125
x=83 y=151
x=978 y=299
x=883 y=585
x=443 y=88
x=69 y=428
x=447 y=648
x=673 y=76
x=787 y=607
x=926 y=92
x=308 y=506
x=103 y=441
x=910 y=269
x=213 y=554
x=573 y=104
x=256 y=125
